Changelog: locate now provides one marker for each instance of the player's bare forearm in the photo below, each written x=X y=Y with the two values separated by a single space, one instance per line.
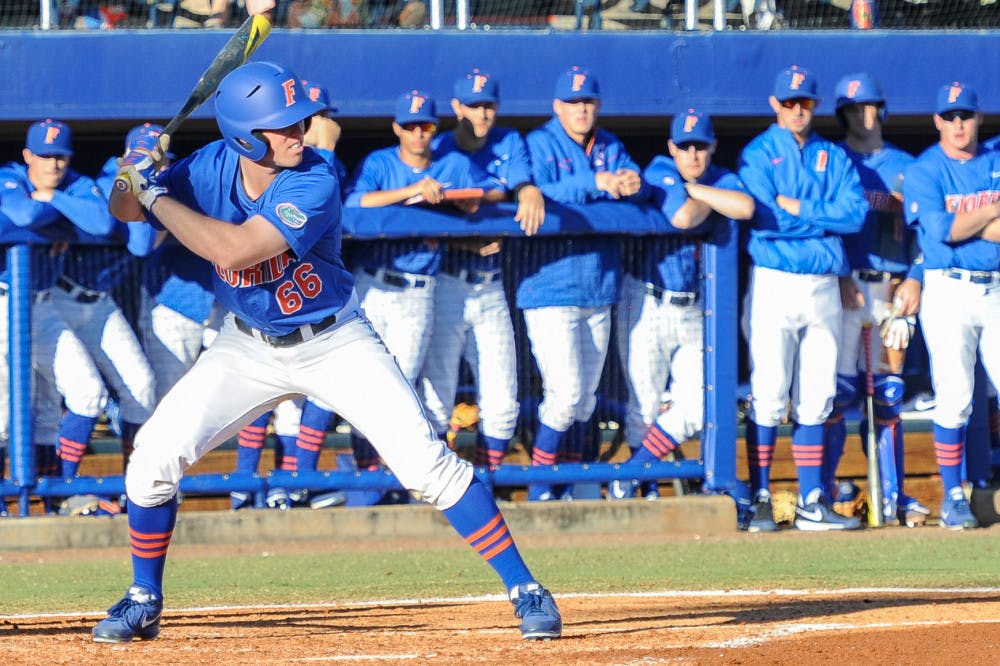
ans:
x=972 y=223
x=125 y=207
x=991 y=231
x=229 y=246
x=908 y=297
x=530 y=209
x=788 y=204
x=691 y=214
x=728 y=203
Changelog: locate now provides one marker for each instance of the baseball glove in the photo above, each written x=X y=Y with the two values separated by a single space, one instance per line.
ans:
x=463 y=416
x=851 y=502
x=783 y=505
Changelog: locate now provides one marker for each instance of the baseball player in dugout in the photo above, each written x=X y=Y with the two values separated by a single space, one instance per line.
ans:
x=469 y=299
x=265 y=210
x=45 y=194
x=660 y=316
x=396 y=279
x=882 y=292
x=571 y=282
x=807 y=194
x=952 y=196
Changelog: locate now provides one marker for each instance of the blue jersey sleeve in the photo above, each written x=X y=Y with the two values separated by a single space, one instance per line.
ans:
x=302 y=207
x=369 y=178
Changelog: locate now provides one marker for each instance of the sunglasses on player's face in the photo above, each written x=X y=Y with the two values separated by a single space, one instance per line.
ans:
x=427 y=127
x=949 y=116
x=685 y=146
x=806 y=103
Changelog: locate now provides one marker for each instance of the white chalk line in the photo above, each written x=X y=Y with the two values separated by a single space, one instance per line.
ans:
x=663 y=594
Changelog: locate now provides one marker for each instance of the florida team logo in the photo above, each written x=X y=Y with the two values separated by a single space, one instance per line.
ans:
x=821 y=159
x=689 y=124
x=416 y=102
x=578 y=81
x=313 y=94
x=479 y=82
x=852 y=88
x=954 y=92
x=289 y=88
x=52 y=133
x=798 y=78
x=291 y=216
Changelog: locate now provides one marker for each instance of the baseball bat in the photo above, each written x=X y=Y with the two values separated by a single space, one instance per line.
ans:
x=235 y=52
x=876 y=517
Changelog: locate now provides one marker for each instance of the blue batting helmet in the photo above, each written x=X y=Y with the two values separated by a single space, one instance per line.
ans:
x=860 y=89
x=259 y=96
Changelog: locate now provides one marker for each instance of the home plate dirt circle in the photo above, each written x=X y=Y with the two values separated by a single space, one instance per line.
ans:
x=744 y=627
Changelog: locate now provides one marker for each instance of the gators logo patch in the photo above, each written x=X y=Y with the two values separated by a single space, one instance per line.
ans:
x=291 y=216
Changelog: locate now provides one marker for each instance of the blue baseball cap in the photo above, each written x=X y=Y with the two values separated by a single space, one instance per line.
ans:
x=957 y=97
x=142 y=131
x=795 y=83
x=477 y=87
x=416 y=106
x=858 y=88
x=692 y=126
x=319 y=94
x=49 y=137
x=577 y=83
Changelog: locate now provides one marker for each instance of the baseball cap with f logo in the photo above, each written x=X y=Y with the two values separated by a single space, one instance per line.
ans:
x=416 y=106
x=577 y=83
x=956 y=97
x=49 y=137
x=477 y=87
x=795 y=83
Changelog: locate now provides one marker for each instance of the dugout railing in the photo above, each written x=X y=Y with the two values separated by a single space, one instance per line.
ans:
x=715 y=468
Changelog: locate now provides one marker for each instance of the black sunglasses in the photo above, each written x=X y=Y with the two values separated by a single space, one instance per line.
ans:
x=949 y=116
x=685 y=146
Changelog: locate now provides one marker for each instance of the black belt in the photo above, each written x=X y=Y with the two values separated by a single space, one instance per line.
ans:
x=78 y=293
x=474 y=277
x=975 y=277
x=394 y=279
x=288 y=339
x=870 y=275
x=673 y=297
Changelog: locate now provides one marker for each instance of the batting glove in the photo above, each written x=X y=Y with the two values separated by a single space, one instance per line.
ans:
x=147 y=152
x=896 y=332
x=138 y=182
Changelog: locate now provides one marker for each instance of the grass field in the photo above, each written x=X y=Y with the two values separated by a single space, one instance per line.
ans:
x=310 y=572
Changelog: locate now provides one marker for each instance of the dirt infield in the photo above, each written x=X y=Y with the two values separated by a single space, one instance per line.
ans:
x=913 y=627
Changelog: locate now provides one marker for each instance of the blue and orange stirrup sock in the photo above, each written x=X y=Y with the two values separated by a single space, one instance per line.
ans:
x=807 y=451
x=74 y=433
x=149 y=532
x=478 y=519
x=251 y=444
x=834 y=440
x=949 y=445
x=313 y=425
x=657 y=444
x=760 y=449
x=489 y=450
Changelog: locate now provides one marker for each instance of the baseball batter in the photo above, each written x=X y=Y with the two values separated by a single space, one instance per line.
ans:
x=469 y=299
x=883 y=291
x=660 y=315
x=266 y=211
x=573 y=281
x=45 y=194
x=807 y=195
x=952 y=196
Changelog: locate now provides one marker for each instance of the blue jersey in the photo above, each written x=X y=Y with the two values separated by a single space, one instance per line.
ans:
x=305 y=283
x=575 y=270
x=885 y=243
x=77 y=206
x=338 y=167
x=823 y=179
x=384 y=170
x=504 y=157
x=935 y=188
x=671 y=261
